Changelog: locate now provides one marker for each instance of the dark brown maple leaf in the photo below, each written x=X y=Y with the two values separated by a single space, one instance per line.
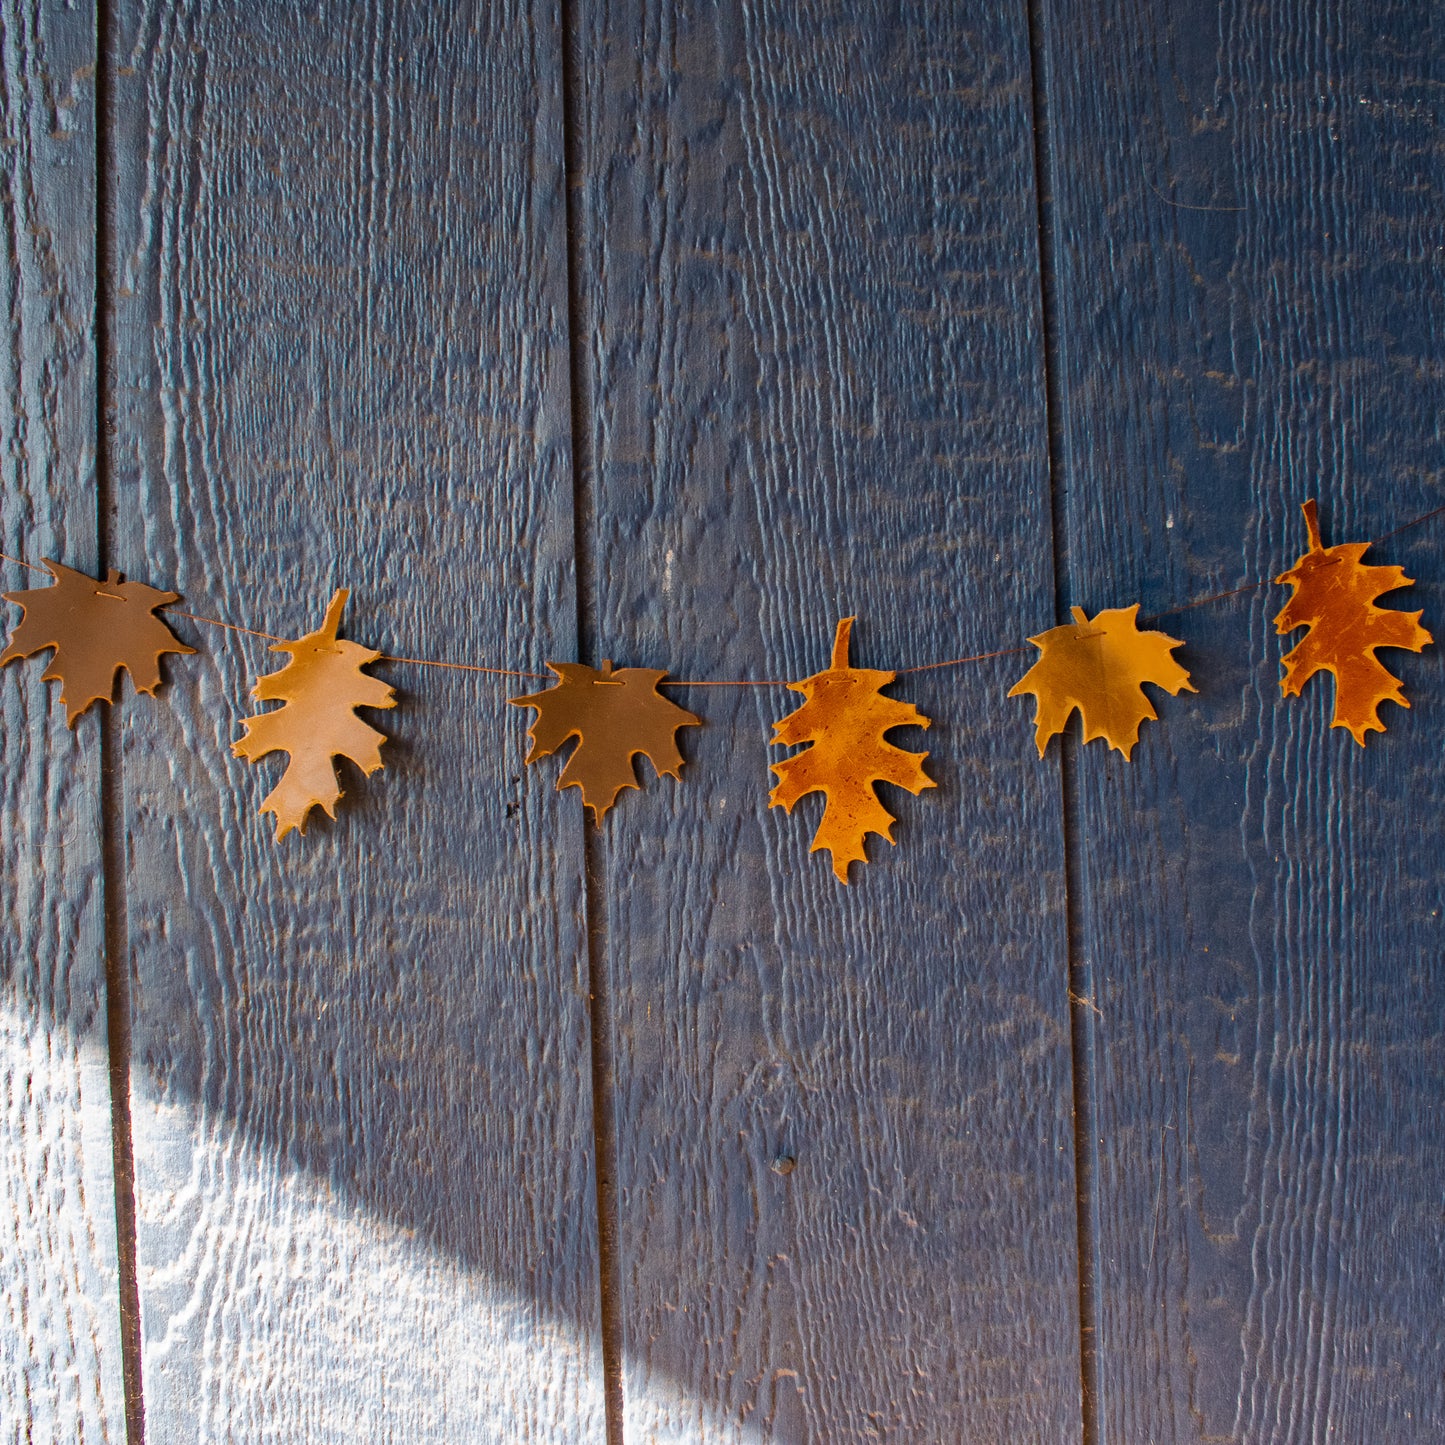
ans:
x=96 y=629
x=614 y=716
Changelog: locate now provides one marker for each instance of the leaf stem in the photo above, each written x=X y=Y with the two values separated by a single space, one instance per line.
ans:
x=1312 y=521
x=329 y=627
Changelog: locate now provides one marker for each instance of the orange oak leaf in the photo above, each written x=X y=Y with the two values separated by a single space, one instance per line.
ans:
x=843 y=721
x=96 y=629
x=1099 y=665
x=1334 y=596
x=320 y=687
x=614 y=716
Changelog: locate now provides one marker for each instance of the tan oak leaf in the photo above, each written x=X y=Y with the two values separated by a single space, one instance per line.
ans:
x=320 y=689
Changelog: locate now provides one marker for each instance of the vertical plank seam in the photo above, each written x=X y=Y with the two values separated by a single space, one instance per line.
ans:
x=112 y=782
x=1080 y=973
x=584 y=512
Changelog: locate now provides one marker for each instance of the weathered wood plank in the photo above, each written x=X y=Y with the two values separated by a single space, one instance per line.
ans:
x=810 y=261
x=1249 y=231
x=362 y=1103
x=60 y=1373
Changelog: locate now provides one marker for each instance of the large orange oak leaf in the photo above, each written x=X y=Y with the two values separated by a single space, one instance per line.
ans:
x=320 y=688
x=843 y=721
x=614 y=716
x=1099 y=665
x=96 y=629
x=1334 y=596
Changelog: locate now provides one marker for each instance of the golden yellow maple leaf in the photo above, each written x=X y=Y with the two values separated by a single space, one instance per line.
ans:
x=843 y=721
x=321 y=687
x=1098 y=665
x=614 y=716
x=1334 y=596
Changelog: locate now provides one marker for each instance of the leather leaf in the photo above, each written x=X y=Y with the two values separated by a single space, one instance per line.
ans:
x=1334 y=596
x=1099 y=665
x=843 y=721
x=320 y=688
x=96 y=629
x=614 y=716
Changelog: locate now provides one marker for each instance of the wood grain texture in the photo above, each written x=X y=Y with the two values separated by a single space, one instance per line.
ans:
x=361 y=1092
x=1248 y=232
x=808 y=238
x=60 y=1375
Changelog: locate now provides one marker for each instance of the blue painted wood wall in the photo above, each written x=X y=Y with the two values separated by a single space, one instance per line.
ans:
x=1106 y=1107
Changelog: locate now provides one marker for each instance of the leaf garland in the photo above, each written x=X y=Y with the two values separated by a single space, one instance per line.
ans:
x=1098 y=666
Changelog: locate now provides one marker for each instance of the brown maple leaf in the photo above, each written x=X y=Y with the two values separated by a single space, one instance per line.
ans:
x=1334 y=596
x=844 y=720
x=321 y=687
x=614 y=716
x=96 y=629
x=1099 y=665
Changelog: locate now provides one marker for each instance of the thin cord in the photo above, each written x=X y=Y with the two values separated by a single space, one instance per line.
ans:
x=229 y=626
x=385 y=656
x=727 y=682
x=767 y=681
x=40 y=571
x=1204 y=601
x=466 y=666
x=461 y=666
x=1405 y=526
x=959 y=661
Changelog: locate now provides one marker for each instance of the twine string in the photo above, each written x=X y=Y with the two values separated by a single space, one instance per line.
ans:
x=462 y=666
x=229 y=626
x=28 y=566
